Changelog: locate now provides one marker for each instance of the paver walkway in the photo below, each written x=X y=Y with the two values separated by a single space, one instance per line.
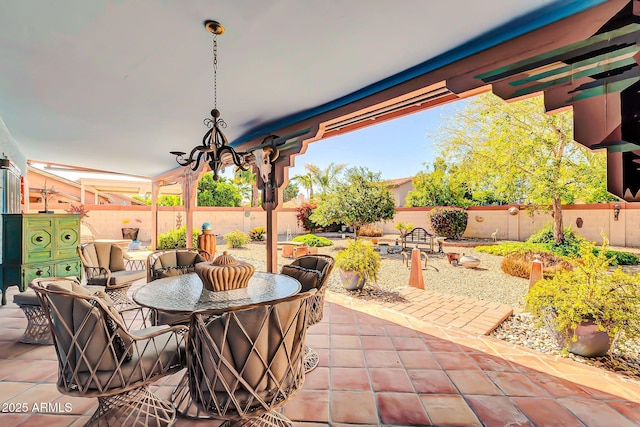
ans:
x=473 y=316
x=378 y=366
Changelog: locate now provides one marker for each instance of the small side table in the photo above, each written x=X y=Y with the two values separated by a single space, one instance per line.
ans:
x=37 y=330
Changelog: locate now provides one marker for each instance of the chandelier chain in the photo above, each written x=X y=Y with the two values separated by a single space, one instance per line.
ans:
x=215 y=71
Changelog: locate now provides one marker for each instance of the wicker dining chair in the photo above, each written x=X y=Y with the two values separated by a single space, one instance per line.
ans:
x=174 y=262
x=105 y=264
x=169 y=263
x=312 y=271
x=98 y=355
x=245 y=363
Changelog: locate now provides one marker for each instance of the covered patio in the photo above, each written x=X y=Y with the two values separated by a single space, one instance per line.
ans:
x=378 y=366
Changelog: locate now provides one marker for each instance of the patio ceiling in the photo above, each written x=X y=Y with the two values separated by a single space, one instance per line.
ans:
x=116 y=85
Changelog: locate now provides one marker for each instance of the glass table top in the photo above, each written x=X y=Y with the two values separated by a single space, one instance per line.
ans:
x=185 y=293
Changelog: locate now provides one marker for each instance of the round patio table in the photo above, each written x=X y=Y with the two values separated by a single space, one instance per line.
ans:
x=185 y=294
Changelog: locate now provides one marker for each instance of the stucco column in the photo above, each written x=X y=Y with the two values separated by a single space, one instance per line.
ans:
x=155 y=191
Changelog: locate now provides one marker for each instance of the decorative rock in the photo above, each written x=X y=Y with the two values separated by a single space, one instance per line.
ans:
x=469 y=261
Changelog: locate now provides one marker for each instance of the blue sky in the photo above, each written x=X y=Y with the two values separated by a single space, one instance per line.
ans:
x=396 y=148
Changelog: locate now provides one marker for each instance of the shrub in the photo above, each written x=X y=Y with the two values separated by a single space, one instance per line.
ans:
x=449 y=222
x=313 y=240
x=257 y=233
x=519 y=264
x=177 y=238
x=370 y=230
x=507 y=248
x=620 y=258
x=404 y=227
x=236 y=239
x=303 y=212
x=570 y=247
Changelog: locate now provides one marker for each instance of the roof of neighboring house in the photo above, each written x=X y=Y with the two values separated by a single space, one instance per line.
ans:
x=398 y=182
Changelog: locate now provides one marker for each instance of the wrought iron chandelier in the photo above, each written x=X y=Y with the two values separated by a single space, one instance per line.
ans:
x=215 y=145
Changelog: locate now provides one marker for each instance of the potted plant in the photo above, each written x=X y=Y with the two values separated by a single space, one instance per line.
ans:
x=358 y=262
x=130 y=232
x=589 y=307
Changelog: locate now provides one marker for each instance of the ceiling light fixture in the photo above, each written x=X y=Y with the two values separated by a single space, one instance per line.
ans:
x=215 y=145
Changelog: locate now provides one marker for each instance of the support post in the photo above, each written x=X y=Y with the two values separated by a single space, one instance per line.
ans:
x=155 y=191
x=272 y=239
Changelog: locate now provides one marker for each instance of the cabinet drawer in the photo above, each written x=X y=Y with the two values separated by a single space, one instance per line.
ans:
x=63 y=253
x=38 y=222
x=38 y=256
x=67 y=268
x=34 y=272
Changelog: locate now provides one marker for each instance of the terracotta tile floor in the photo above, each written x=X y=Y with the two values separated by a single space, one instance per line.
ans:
x=378 y=366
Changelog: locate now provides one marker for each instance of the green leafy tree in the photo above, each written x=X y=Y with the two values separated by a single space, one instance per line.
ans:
x=166 y=200
x=438 y=186
x=290 y=192
x=517 y=152
x=217 y=193
x=361 y=199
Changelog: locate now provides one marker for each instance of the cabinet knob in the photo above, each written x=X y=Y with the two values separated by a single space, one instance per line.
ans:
x=68 y=268
x=39 y=239
x=67 y=237
x=39 y=273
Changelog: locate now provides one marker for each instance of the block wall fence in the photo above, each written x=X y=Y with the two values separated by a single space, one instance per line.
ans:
x=483 y=221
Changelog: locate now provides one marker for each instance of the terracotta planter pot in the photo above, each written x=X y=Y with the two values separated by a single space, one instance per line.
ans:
x=590 y=342
x=311 y=250
x=352 y=281
x=300 y=251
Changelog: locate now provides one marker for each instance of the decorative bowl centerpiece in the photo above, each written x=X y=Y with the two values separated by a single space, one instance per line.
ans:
x=224 y=273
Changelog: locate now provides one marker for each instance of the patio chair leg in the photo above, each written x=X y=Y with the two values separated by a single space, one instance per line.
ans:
x=310 y=359
x=134 y=407
x=181 y=398
x=268 y=419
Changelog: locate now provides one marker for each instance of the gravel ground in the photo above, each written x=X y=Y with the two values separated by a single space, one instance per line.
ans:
x=487 y=282
x=521 y=329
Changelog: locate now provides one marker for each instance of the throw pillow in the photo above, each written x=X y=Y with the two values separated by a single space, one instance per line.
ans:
x=309 y=279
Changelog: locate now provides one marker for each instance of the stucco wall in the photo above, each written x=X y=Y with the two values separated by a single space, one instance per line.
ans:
x=482 y=221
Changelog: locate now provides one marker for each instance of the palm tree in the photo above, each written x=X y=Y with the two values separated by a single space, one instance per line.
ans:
x=246 y=181
x=306 y=181
x=324 y=178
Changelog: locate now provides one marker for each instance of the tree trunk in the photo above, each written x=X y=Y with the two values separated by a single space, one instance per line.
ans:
x=558 y=228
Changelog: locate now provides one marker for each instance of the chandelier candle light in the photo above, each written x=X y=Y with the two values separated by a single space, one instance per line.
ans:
x=214 y=143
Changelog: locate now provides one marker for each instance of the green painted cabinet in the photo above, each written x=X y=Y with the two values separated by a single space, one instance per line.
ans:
x=38 y=245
